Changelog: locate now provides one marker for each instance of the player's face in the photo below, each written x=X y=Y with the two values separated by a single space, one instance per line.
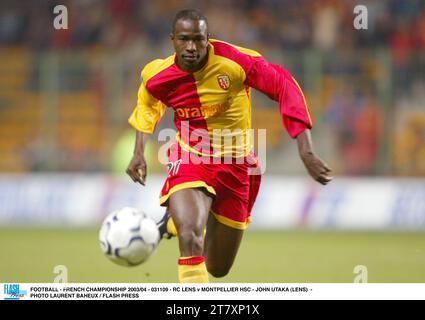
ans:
x=190 y=40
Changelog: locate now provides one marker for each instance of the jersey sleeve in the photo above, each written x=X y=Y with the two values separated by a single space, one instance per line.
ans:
x=278 y=84
x=147 y=112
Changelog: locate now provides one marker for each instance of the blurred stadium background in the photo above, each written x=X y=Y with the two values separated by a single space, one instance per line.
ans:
x=65 y=96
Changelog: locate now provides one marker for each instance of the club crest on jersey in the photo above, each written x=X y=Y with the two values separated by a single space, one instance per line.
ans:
x=223 y=81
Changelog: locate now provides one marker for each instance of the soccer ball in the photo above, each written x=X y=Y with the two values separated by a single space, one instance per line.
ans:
x=128 y=236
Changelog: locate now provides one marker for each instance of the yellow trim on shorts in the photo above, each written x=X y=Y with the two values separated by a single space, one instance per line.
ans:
x=186 y=185
x=232 y=223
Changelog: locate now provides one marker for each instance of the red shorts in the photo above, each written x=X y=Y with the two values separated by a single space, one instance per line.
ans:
x=234 y=186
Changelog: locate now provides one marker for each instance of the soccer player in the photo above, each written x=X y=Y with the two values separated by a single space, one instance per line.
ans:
x=207 y=83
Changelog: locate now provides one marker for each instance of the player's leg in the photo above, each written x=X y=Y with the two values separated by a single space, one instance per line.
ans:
x=189 y=209
x=224 y=228
x=221 y=246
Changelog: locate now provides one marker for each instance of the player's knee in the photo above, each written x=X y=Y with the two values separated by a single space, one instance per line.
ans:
x=191 y=241
x=218 y=271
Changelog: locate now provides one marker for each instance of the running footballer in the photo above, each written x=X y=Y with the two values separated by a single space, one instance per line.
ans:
x=207 y=83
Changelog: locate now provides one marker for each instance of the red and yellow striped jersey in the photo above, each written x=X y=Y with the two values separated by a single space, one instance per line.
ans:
x=212 y=106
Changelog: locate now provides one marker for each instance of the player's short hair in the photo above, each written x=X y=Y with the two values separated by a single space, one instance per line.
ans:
x=188 y=14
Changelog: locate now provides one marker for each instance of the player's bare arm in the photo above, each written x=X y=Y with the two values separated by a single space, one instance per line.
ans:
x=315 y=166
x=137 y=169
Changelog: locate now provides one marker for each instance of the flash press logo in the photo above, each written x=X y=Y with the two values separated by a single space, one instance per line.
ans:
x=13 y=292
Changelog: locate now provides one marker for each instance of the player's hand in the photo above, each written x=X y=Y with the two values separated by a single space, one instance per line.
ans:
x=137 y=169
x=317 y=168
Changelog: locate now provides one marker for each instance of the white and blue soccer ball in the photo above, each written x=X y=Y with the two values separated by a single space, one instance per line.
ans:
x=128 y=236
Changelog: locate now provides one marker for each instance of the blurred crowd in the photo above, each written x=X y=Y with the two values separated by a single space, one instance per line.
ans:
x=285 y=24
x=370 y=125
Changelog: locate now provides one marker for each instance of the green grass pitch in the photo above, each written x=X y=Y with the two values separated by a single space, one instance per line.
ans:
x=30 y=255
